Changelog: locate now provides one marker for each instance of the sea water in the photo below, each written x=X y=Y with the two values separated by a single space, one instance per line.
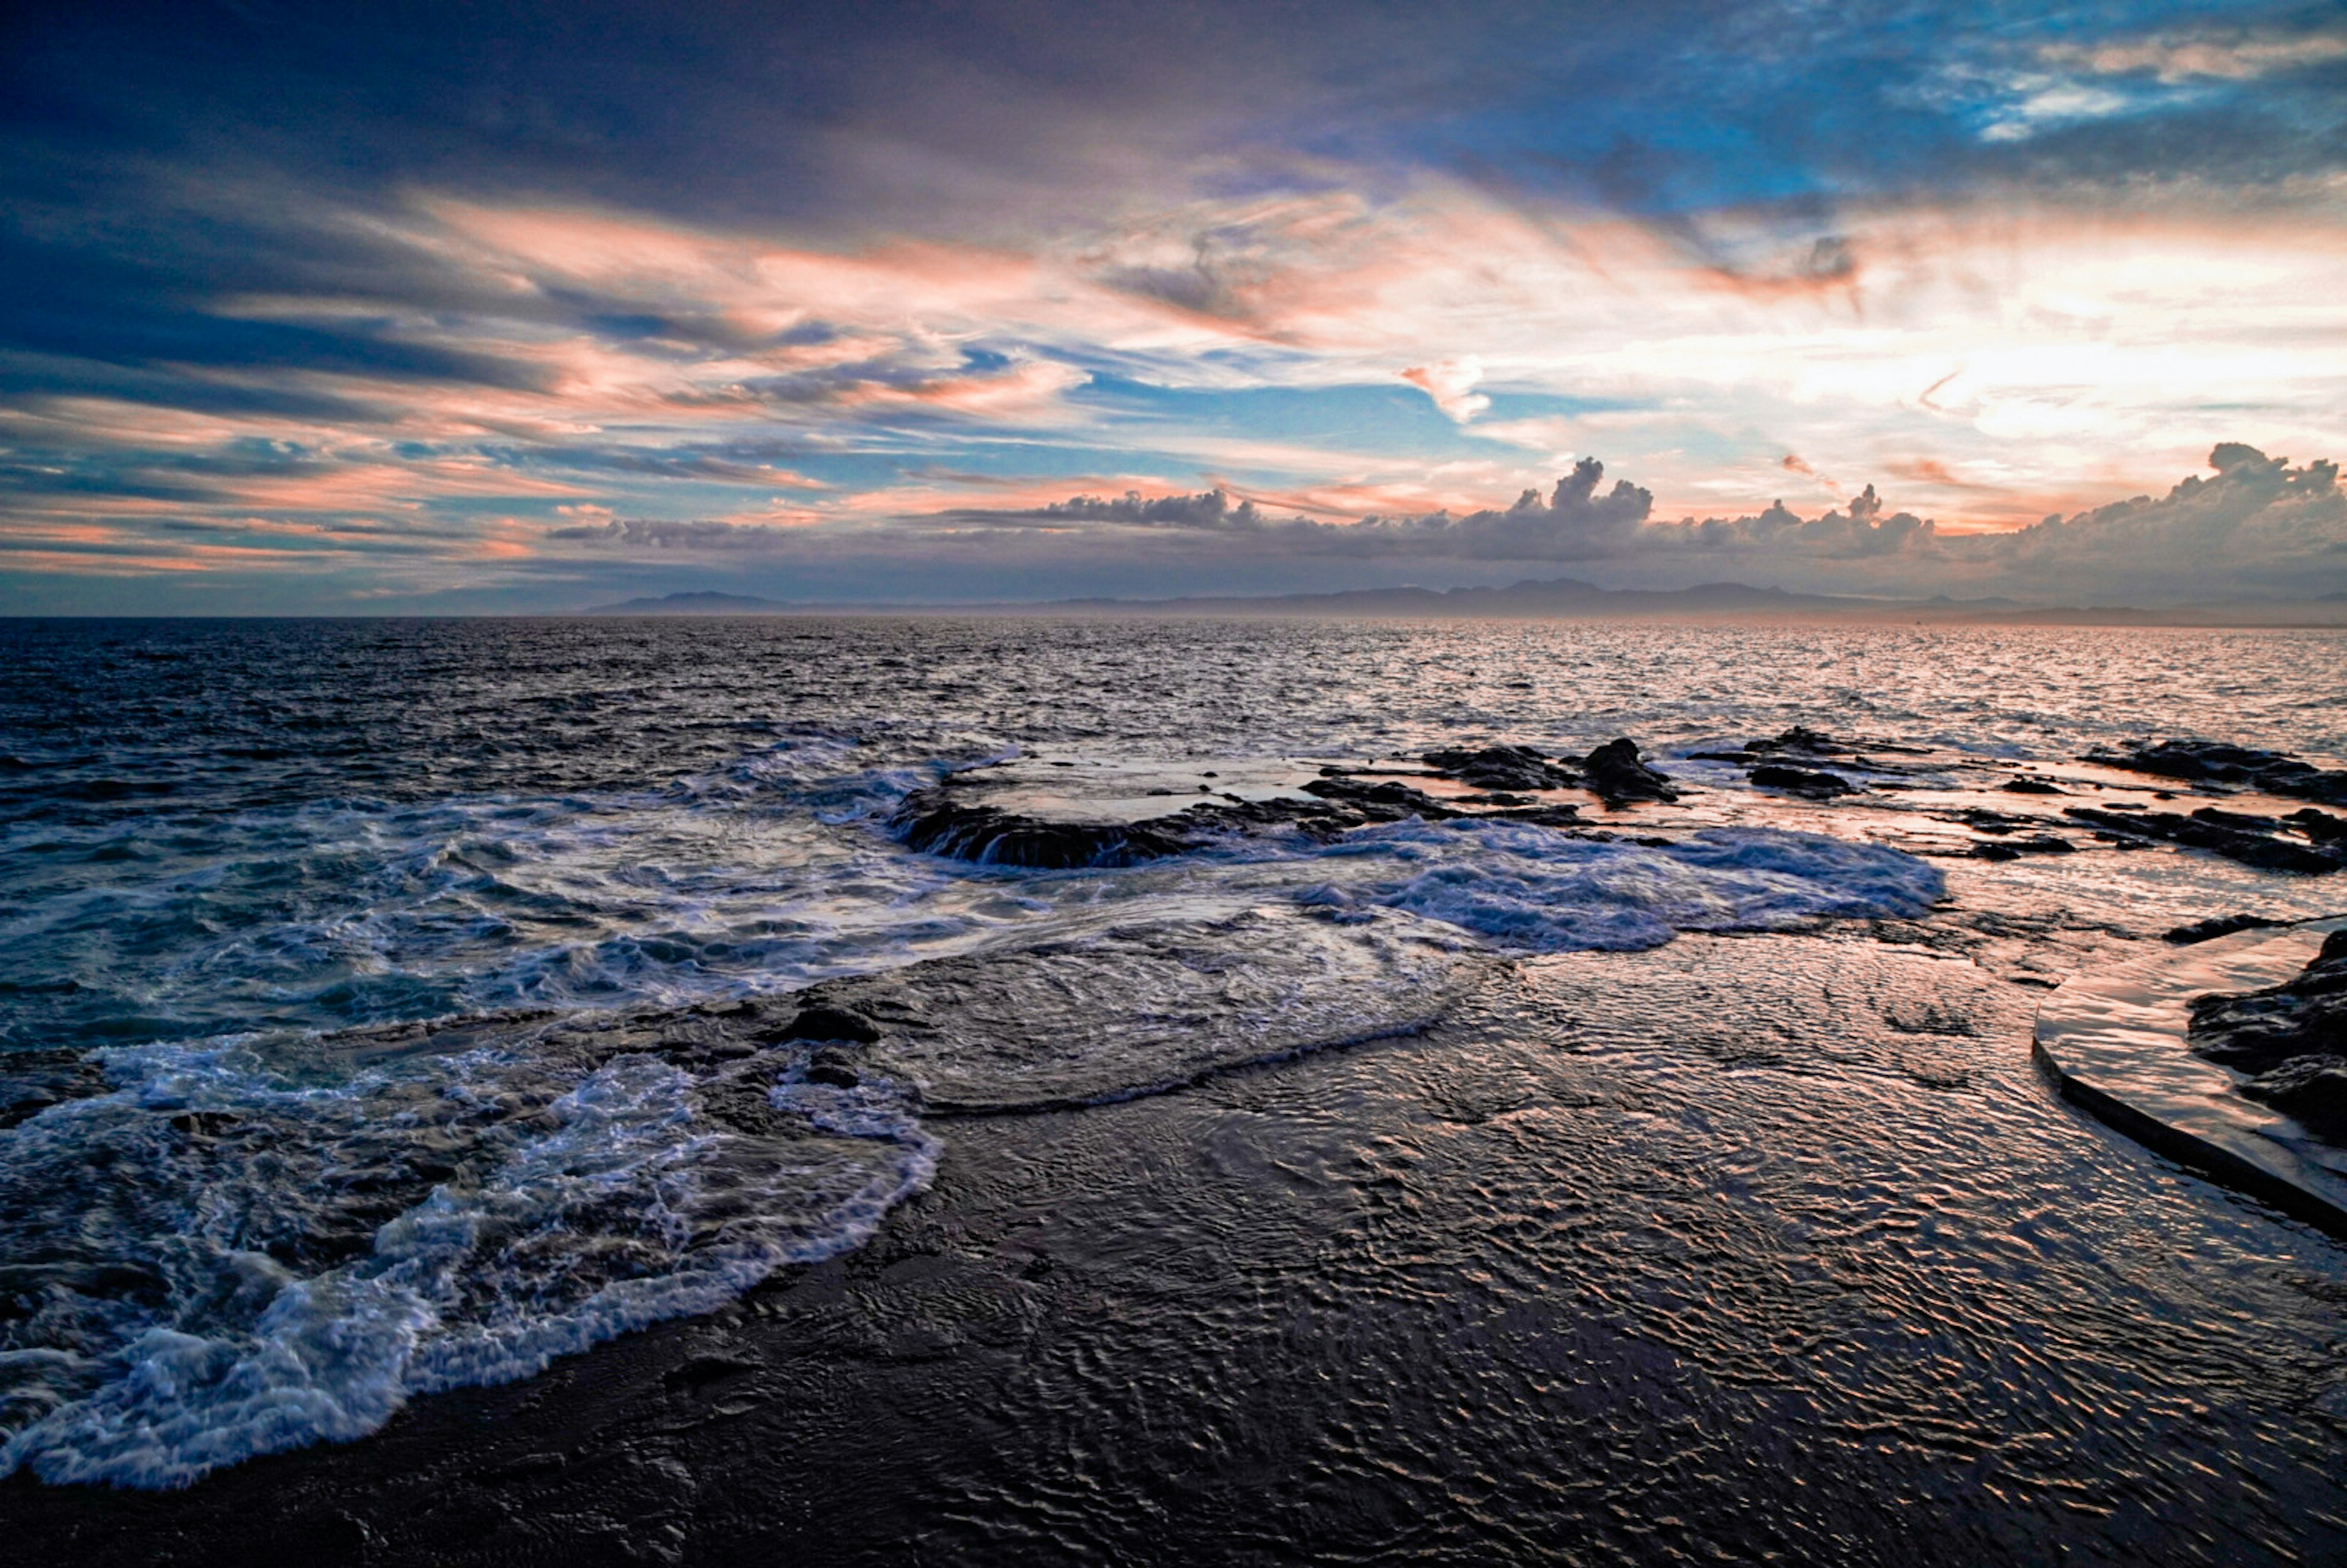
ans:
x=243 y=1208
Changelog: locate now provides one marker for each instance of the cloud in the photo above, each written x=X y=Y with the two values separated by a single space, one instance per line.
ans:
x=2257 y=529
x=1573 y=522
x=2231 y=55
x=1452 y=385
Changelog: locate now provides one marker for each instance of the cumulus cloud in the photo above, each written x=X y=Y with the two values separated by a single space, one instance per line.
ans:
x=1573 y=522
x=2257 y=529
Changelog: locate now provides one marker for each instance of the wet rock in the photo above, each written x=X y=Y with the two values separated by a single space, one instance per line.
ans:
x=2258 y=1032
x=1388 y=801
x=825 y=1022
x=1501 y=768
x=2031 y=786
x=2312 y=1089
x=2319 y=827
x=33 y=1081
x=1130 y=1009
x=1542 y=816
x=1801 y=741
x=930 y=822
x=2014 y=849
x=2249 y=845
x=2213 y=762
x=834 y=1067
x=2214 y=927
x=1618 y=775
x=1801 y=781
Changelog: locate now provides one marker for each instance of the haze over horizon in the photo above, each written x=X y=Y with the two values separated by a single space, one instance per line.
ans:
x=521 y=307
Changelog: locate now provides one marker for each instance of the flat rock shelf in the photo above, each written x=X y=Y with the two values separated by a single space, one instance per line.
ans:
x=2116 y=1044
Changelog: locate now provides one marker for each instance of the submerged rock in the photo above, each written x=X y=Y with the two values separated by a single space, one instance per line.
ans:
x=2213 y=762
x=1618 y=775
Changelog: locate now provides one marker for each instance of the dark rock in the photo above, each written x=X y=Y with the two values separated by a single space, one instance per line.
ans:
x=2319 y=827
x=1803 y=739
x=33 y=1081
x=1388 y=801
x=834 y=1067
x=2248 y=847
x=1802 y=781
x=2213 y=762
x=2014 y=848
x=2214 y=927
x=1541 y=816
x=1617 y=776
x=2314 y=1088
x=825 y=1022
x=1501 y=768
x=2257 y=1032
x=930 y=822
x=2032 y=786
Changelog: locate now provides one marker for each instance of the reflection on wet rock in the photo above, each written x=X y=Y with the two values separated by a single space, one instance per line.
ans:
x=1133 y=1008
x=2291 y=1040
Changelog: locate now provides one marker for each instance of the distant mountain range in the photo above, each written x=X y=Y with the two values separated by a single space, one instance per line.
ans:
x=1552 y=596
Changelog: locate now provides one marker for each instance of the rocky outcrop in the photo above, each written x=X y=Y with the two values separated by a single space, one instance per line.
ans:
x=932 y=822
x=2263 y=842
x=2288 y=1041
x=1801 y=781
x=1616 y=775
x=2213 y=762
x=1503 y=768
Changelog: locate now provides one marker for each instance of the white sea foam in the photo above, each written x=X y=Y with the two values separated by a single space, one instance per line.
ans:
x=581 y=1206
x=1536 y=889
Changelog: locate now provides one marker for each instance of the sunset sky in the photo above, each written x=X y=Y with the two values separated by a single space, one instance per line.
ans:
x=513 y=307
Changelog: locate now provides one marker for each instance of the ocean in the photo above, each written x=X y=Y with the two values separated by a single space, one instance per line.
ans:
x=370 y=1022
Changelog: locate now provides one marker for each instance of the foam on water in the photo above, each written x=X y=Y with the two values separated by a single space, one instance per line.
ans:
x=1534 y=890
x=215 y=1260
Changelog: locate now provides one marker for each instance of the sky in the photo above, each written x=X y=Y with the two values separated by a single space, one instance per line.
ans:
x=497 y=307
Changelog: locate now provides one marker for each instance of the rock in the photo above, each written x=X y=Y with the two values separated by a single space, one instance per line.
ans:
x=2257 y=1032
x=834 y=1067
x=1617 y=776
x=825 y=1022
x=2014 y=848
x=2031 y=786
x=2214 y=927
x=1800 y=739
x=2213 y=762
x=1388 y=801
x=2312 y=1089
x=931 y=823
x=2249 y=845
x=1802 y=781
x=2319 y=827
x=1501 y=768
